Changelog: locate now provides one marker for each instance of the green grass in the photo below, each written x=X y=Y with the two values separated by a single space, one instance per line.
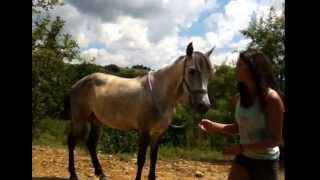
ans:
x=52 y=133
x=177 y=153
x=194 y=154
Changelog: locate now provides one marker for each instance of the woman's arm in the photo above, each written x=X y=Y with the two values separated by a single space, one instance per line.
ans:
x=214 y=127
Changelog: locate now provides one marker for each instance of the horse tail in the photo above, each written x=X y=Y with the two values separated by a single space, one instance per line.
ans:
x=66 y=113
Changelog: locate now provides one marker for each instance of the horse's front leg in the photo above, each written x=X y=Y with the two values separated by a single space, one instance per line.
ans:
x=143 y=144
x=153 y=156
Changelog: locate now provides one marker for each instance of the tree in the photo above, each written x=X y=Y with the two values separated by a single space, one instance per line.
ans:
x=267 y=35
x=222 y=84
x=221 y=89
x=51 y=47
x=112 y=68
x=141 y=67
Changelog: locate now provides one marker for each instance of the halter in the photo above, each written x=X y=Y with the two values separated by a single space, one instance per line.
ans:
x=195 y=91
x=190 y=91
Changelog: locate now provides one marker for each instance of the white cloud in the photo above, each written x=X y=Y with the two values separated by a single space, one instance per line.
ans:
x=164 y=52
x=83 y=28
x=226 y=25
x=130 y=38
x=236 y=16
x=199 y=43
x=240 y=45
x=228 y=58
x=161 y=18
x=146 y=32
x=104 y=58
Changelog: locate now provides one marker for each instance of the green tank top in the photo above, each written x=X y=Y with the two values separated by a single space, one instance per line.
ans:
x=252 y=128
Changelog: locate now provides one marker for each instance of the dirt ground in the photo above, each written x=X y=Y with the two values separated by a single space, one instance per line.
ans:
x=52 y=163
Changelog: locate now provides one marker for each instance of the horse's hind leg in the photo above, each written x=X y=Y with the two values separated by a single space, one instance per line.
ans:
x=92 y=143
x=79 y=131
x=71 y=147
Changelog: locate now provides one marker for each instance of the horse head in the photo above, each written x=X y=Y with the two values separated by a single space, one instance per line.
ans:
x=196 y=74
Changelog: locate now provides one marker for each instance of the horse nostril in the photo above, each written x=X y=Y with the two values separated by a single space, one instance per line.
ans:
x=207 y=108
x=203 y=108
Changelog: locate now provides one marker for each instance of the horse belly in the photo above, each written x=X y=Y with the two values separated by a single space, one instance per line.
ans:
x=119 y=102
x=162 y=124
x=121 y=120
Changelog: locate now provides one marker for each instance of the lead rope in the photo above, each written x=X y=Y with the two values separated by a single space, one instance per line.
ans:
x=195 y=169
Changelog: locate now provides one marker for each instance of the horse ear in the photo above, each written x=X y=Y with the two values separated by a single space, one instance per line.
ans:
x=209 y=52
x=189 y=49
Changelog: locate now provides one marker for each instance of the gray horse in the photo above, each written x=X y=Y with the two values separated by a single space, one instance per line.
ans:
x=146 y=104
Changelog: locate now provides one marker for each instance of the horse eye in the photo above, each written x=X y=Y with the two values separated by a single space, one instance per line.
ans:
x=192 y=72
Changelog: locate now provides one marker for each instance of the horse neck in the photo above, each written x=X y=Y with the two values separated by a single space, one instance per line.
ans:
x=167 y=82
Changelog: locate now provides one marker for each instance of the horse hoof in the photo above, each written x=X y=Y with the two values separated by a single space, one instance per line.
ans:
x=103 y=177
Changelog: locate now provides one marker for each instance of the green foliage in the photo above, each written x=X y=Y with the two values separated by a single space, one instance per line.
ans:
x=115 y=141
x=179 y=137
x=195 y=154
x=267 y=35
x=112 y=68
x=131 y=72
x=222 y=87
x=50 y=132
x=50 y=47
x=141 y=67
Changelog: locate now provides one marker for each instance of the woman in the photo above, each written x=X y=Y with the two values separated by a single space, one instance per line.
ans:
x=258 y=120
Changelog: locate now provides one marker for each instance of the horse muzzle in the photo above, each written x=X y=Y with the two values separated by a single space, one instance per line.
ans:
x=202 y=108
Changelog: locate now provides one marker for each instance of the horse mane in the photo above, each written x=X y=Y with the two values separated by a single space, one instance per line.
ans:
x=180 y=58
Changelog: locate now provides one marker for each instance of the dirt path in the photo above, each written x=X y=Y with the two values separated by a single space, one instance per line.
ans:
x=52 y=163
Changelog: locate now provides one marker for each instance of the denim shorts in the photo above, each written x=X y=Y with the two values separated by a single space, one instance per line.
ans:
x=259 y=169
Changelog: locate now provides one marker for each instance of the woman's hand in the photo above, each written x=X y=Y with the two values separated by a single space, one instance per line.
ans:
x=233 y=149
x=210 y=126
x=205 y=125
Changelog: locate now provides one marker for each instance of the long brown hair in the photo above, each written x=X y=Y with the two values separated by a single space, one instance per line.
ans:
x=261 y=70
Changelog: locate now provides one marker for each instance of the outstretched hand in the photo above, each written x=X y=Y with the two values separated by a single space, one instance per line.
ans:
x=205 y=125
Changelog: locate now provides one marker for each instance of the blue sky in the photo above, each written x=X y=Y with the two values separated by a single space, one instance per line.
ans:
x=198 y=28
x=156 y=32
